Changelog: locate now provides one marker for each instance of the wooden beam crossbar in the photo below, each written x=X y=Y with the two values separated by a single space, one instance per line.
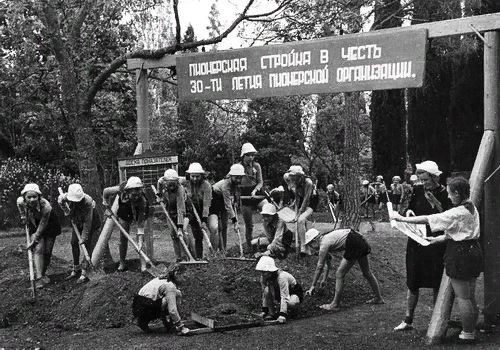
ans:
x=439 y=29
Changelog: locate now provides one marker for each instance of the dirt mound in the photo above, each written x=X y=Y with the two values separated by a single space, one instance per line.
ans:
x=212 y=288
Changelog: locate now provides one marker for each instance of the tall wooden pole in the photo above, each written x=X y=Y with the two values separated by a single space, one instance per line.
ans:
x=142 y=109
x=444 y=302
x=488 y=157
x=491 y=238
x=143 y=144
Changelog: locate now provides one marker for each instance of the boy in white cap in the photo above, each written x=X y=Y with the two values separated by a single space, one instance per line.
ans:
x=333 y=198
x=173 y=194
x=251 y=184
x=280 y=287
x=225 y=193
x=424 y=264
x=368 y=198
x=43 y=226
x=133 y=206
x=356 y=249
x=397 y=193
x=199 y=195
x=277 y=233
x=158 y=299
x=84 y=214
x=306 y=202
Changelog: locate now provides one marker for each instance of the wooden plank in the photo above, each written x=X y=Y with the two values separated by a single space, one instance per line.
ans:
x=203 y=320
x=200 y=331
x=460 y=26
x=373 y=61
x=164 y=62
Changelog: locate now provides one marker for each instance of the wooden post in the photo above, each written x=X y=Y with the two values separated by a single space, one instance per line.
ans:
x=488 y=149
x=491 y=239
x=142 y=96
x=142 y=109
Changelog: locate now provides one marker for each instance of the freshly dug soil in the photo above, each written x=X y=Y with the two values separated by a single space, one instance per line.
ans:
x=208 y=289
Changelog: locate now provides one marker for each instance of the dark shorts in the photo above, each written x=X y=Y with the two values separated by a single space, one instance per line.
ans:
x=125 y=212
x=382 y=197
x=463 y=259
x=313 y=202
x=396 y=198
x=217 y=204
x=371 y=200
x=356 y=246
x=146 y=309
x=53 y=228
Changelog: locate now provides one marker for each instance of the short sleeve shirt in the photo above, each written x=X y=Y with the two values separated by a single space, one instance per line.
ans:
x=458 y=223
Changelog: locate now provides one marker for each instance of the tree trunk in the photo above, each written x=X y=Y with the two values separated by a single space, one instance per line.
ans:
x=350 y=179
x=388 y=111
x=72 y=98
x=428 y=107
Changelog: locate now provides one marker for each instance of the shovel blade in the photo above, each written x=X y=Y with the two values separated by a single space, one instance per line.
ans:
x=157 y=270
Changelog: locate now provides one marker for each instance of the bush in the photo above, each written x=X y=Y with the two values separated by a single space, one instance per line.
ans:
x=14 y=174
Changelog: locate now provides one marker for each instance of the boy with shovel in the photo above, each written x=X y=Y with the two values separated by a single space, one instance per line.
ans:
x=133 y=206
x=251 y=184
x=173 y=195
x=43 y=227
x=279 y=235
x=225 y=192
x=199 y=198
x=83 y=213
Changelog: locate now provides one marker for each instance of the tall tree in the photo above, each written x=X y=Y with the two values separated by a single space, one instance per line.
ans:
x=275 y=130
x=388 y=110
x=428 y=120
x=68 y=28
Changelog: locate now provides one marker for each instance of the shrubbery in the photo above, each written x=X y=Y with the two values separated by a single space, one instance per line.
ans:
x=14 y=174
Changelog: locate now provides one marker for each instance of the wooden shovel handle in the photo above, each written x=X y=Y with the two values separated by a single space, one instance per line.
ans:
x=134 y=244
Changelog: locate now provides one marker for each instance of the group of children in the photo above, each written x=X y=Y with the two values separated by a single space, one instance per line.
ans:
x=375 y=195
x=193 y=201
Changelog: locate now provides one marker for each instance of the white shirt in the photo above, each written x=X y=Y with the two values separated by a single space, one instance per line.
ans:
x=457 y=223
x=157 y=289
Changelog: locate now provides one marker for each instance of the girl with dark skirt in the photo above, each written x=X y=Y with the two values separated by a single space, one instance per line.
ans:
x=463 y=257
x=43 y=225
x=424 y=264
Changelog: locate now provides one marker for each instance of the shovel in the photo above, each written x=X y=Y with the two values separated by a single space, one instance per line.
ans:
x=31 y=265
x=155 y=270
x=330 y=206
x=238 y=232
x=79 y=236
x=181 y=239
x=205 y=234
x=297 y=243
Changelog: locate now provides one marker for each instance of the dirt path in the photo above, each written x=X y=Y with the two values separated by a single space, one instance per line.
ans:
x=356 y=327
x=362 y=327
